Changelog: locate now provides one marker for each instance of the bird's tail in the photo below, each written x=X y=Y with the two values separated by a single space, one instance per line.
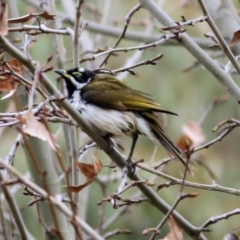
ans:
x=168 y=144
x=155 y=123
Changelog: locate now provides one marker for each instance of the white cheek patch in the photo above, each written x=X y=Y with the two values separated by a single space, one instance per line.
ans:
x=77 y=84
x=81 y=70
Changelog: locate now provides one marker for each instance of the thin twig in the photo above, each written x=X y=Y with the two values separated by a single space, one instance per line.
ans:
x=213 y=220
x=221 y=135
x=85 y=148
x=73 y=130
x=56 y=202
x=174 y=181
x=220 y=38
x=23 y=80
x=33 y=89
x=144 y=62
x=127 y=21
x=76 y=32
x=15 y=210
x=9 y=158
x=180 y=197
x=185 y=22
x=162 y=40
x=2 y=219
x=116 y=232
x=36 y=30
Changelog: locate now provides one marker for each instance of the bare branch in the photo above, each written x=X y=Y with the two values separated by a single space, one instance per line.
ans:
x=127 y=21
x=216 y=219
x=221 y=40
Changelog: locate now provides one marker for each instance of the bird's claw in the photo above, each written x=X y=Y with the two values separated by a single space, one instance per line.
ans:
x=131 y=166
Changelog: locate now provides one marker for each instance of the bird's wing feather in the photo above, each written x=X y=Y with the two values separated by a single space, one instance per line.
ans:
x=112 y=94
x=163 y=139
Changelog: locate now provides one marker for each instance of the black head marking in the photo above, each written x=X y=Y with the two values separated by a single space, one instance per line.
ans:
x=81 y=75
x=75 y=78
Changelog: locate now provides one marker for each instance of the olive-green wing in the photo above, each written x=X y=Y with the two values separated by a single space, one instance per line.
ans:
x=106 y=82
x=112 y=94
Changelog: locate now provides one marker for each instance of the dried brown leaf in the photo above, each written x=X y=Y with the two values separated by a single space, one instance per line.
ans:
x=221 y=99
x=16 y=66
x=90 y=171
x=27 y=17
x=192 y=136
x=235 y=39
x=8 y=81
x=3 y=18
x=176 y=233
x=78 y=188
x=36 y=129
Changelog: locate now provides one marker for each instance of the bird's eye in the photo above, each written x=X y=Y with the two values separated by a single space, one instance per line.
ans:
x=77 y=74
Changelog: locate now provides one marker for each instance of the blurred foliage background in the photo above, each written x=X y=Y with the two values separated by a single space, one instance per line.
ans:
x=187 y=93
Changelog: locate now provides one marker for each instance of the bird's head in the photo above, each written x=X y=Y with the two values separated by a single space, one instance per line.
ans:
x=76 y=78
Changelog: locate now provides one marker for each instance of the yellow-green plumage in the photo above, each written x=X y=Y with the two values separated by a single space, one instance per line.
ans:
x=109 y=93
x=115 y=110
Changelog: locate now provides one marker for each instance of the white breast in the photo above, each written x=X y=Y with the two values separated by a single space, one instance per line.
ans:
x=120 y=124
x=77 y=101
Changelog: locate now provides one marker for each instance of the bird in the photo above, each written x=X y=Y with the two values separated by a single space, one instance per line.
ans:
x=116 y=111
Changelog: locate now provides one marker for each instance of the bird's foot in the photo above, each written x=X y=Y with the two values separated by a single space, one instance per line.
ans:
x=130 y=166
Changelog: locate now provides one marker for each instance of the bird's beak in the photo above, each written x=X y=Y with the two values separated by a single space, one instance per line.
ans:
x=63 y=74
x=60 y=72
